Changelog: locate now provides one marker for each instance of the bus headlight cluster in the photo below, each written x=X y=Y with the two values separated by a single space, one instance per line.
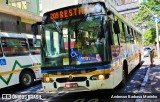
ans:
x=100 y=77
x=47 y=79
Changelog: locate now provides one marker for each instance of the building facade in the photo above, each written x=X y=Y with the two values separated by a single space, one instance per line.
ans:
x=128 y=8
x=48 y=5
x=16 y=16
x=27 y=5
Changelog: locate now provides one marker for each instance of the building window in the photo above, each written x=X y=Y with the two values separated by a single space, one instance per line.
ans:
x=124 y=2
x=19 y=4
x=26 y=28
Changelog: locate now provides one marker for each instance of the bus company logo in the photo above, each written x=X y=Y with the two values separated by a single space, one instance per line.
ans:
x=70 y=78
x=2 y=62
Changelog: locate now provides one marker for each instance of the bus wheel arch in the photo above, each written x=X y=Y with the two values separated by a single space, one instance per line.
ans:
x=26 y=77
x=124 y=73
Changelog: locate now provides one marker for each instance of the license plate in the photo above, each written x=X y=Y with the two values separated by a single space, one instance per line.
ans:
x=71 y=85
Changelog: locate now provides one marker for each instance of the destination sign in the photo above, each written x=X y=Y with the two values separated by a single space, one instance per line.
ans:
x=74 y=11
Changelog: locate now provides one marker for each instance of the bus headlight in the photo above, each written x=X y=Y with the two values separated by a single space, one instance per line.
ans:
x=47 y=79
x=100 y=77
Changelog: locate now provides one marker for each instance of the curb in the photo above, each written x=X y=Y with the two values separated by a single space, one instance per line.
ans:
x=143 y=84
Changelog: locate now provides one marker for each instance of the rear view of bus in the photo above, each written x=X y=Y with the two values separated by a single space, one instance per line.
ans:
x=76 y=49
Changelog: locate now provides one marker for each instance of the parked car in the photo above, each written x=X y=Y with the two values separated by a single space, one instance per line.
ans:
x=146 y=51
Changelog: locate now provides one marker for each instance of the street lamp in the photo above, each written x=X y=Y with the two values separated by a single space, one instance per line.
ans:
x=156 y=21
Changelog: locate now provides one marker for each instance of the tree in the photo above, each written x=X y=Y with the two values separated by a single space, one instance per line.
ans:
x=145 y=17
x=149 y=37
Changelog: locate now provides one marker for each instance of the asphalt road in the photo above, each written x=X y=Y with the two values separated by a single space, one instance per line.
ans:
x=133 y=85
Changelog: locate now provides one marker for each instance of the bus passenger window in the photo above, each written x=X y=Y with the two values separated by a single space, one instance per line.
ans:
x=115 y=37
x=14 y=46
x=127 y=34
x=132 y=36
x=122 y=34
x=116 y=47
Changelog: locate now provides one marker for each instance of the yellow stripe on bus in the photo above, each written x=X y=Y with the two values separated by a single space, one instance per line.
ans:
x=16 y=71
x=82 y=74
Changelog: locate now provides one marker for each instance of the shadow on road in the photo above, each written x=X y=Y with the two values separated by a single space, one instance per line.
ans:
x=133 y=84
x=14 y=88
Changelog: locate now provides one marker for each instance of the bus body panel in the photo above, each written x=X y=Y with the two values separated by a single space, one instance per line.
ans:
x=93 y=85
x=117 y=75
x=12 y=65
x=15 y=65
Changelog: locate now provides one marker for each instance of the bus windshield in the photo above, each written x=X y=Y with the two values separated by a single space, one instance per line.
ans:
x=80 y=41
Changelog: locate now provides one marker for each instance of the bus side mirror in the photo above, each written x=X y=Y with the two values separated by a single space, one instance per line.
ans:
x=110 y=33
x=116 y=27
x=35 y=30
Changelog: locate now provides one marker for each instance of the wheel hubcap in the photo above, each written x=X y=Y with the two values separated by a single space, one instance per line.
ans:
x=27 y=79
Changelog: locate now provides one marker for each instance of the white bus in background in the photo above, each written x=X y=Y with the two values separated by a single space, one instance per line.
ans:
x=19 y=60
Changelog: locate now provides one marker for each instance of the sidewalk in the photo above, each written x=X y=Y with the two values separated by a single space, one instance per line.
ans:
x=152 y=82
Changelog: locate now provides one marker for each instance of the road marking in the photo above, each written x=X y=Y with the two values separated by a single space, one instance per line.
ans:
x=143 y=84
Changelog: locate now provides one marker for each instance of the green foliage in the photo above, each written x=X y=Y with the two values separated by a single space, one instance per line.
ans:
x=13 y=42
x=144 y=17
x=149 y=37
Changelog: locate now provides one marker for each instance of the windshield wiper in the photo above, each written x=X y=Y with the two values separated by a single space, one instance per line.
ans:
x=58 y=28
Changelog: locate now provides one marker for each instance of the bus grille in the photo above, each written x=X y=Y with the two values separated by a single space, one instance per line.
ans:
x=74 y=79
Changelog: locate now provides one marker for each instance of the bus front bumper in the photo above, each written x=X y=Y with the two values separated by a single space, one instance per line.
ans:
x=87 y=85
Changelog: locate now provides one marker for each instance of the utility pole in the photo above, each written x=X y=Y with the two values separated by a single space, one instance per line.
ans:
x=157 y=35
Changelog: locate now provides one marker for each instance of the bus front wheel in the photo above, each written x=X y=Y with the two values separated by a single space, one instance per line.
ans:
x=26 y=79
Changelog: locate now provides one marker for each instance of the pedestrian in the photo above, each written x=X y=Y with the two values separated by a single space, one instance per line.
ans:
x=155 y=49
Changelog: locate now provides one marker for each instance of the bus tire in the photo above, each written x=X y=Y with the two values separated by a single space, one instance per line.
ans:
x=124 y=75
x=26 y=79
